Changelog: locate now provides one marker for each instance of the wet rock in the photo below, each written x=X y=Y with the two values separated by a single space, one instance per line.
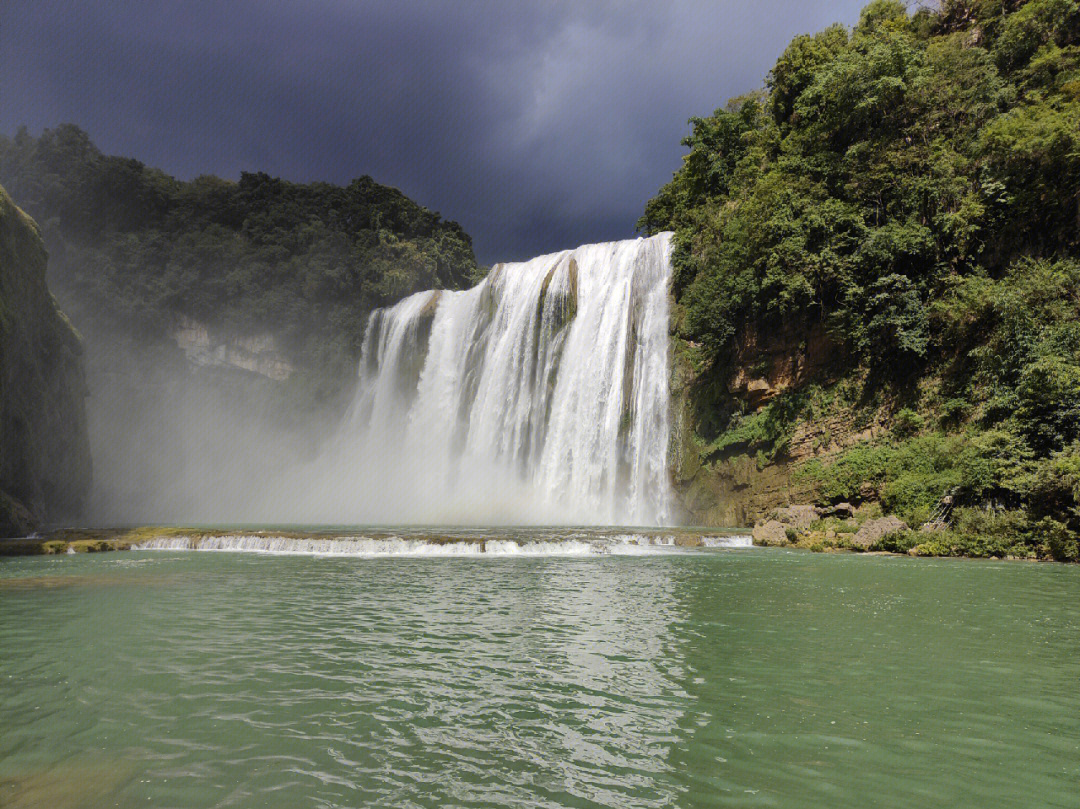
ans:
x=771 y=533
x=873 y=531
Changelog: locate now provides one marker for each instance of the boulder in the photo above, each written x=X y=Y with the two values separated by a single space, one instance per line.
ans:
x=798 y=517
x=842 y=511
x=873 y=531
x=772 y=533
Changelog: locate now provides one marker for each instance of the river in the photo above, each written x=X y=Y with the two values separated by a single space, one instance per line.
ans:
x=669 y=678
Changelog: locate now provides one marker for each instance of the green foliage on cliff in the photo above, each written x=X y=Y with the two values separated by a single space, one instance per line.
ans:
x=134 y=247
x=912 y=187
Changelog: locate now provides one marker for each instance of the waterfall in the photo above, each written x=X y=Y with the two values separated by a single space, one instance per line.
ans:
x=538 y=396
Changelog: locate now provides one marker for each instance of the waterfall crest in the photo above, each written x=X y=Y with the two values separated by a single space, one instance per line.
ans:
x=538 y=396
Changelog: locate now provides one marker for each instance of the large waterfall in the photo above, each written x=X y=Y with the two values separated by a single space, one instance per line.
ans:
x=538 y=396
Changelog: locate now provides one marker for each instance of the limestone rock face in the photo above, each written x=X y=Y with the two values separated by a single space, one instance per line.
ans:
x=771 y=360
x=873 y=531
x=257 y=354
x=44 y=449
x=771 y=533
x=798 y=517
x=732 y=486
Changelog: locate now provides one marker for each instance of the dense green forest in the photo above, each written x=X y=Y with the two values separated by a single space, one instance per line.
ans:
x=910 y=188
x=133 y=247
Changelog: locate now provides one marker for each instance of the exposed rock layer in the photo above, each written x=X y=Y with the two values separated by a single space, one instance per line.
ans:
x=734 y=486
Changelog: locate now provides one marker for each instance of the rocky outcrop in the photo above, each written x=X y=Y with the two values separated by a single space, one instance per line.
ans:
x=772 y=533
x=257 y=354
x=44 y=451
x=873 y=531
x=769 y=361
x=737 y=485
x=798 y=517
x=842 y=511
x=784 y=523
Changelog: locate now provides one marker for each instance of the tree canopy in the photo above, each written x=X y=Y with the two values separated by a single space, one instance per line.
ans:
x=131 y=246
x=912 y=187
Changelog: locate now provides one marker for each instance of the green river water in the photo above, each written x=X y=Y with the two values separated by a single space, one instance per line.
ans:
x=706 y=678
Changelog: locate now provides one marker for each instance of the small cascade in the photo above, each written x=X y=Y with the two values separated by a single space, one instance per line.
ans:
x=389 y=545
x=539 y=396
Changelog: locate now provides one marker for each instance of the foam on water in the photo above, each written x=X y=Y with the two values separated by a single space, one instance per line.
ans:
x=733 y=541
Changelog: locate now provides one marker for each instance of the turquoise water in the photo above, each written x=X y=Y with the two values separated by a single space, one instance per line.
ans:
x=742 y=678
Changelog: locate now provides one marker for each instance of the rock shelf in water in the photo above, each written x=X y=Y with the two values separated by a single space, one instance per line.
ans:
x=379 y=542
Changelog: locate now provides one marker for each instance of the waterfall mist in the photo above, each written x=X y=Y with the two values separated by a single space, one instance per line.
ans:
x=539 y=396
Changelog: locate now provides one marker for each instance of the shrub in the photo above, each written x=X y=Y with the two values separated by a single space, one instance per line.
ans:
x=907 y=422
x=1054 y=488
x=1061 y=543
x=1048 y=396
x=991 y=532
x=900 y=542
x=994 y=461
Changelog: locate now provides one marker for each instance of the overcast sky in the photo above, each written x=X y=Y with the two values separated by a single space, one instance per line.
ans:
x=537 y=125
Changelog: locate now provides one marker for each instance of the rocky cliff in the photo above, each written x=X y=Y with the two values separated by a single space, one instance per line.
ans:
x=782 y=386
x=44 y=452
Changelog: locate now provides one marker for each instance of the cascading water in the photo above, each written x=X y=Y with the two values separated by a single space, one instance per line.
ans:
x=538 y=396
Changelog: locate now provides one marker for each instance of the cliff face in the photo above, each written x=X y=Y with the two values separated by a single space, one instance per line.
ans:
x=733 y=478
x=44 y=452
x=257 y=354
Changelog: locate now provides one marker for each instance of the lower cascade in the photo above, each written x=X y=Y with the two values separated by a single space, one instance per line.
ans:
x=579 y=543
x=538 y=396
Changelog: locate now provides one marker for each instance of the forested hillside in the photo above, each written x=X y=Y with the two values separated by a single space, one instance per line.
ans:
x=877 y=278
x=131 y=244
x=222 y=320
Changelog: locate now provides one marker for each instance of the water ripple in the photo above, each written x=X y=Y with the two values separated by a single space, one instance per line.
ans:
x=721 y=678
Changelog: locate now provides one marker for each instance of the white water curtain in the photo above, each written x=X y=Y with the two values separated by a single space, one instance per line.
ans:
x=539 y=396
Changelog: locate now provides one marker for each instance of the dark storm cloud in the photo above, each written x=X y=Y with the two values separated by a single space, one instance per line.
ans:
x=538 y=126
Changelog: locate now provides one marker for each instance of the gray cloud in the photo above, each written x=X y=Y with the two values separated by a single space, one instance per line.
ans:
x=538 y=126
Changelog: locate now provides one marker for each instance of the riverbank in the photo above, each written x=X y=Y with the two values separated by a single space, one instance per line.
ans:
x=844 y=528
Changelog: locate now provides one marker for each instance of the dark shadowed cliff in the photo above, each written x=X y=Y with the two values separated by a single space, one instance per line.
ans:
x=44 y=451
